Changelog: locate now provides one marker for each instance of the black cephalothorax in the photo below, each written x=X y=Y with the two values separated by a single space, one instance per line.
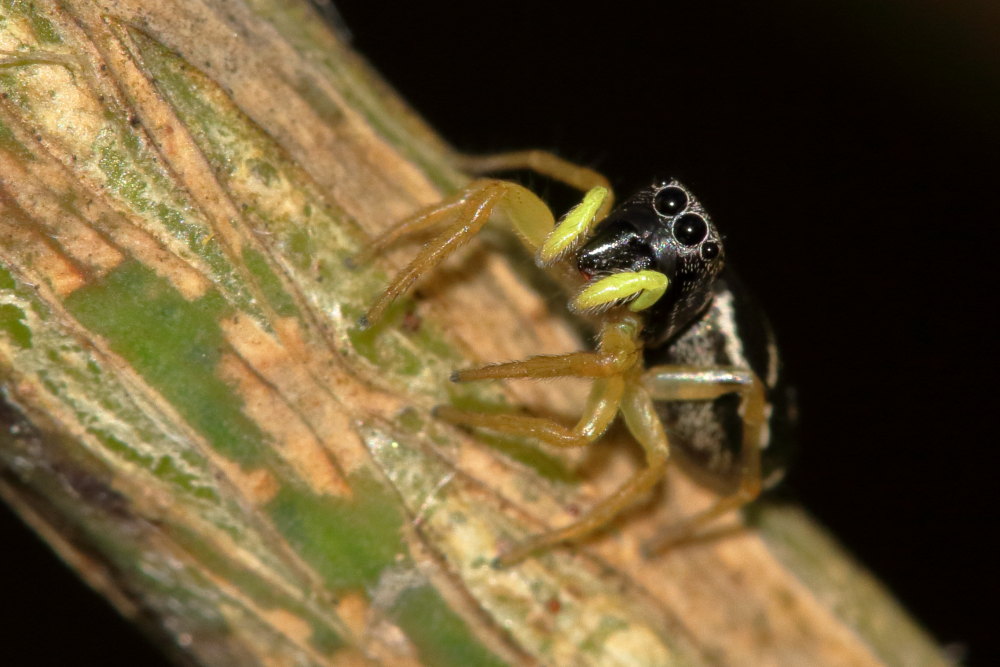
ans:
x=661 y=228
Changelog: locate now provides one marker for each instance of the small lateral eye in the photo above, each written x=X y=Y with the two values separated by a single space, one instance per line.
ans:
x=690 y=229
x=710 y=250
x=670 y=201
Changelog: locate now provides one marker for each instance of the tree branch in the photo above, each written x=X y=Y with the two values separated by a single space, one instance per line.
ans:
x=197 y=427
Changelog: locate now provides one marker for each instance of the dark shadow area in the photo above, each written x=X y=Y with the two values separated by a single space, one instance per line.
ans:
x=50 y=617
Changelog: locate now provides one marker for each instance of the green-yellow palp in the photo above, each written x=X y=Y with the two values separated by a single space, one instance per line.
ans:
x=648 y=285
x=573 y=228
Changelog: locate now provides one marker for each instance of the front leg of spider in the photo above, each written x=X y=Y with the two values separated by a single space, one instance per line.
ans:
x=617 y=389
x=456 y=220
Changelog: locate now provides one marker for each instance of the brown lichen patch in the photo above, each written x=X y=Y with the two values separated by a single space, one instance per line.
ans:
x=392 y=646
x=176 y=145
x=69 y=232
x=189 y=282
x=316 y=387
x=265 y=630
x=353 y=610
x=69 y=203
x=39 y=259
x=259 y=486
x=350 y=657
x=262 y=635
x=389 y=645
x=295 y=441
x=262 y=485
x=288 y=624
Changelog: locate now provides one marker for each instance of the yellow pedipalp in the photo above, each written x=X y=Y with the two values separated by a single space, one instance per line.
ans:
x=648 y=285
x=657 y=285
x=573 y=228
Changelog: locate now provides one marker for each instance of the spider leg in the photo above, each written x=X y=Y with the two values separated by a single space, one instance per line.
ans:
x=616 y=388
x=542 y=162
x=600 y=410
x=574 y=364
x=418 y=223
x=640 y=417
x=464 y=215
x=618 y=351
x=473 y=209
x=576 y=225
x=669 y=383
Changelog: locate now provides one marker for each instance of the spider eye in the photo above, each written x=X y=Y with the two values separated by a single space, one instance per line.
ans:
x=690 y=229
x=670 y=201
x=710 y=250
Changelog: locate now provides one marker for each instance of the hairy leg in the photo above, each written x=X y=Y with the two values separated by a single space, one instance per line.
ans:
x=460 y=217
x=615 y=367
x=600 y=410
x=545 y=163
x=692 y=383
x=618 y=352
x=640 y=417
x=421 y=222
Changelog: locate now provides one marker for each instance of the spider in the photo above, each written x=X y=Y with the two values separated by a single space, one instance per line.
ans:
x=678 y=347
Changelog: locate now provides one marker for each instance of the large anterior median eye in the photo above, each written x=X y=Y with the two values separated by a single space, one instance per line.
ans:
x=690 y=229
x=670 y=201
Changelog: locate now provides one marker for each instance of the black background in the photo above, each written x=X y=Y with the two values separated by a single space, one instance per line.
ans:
x=849 y=152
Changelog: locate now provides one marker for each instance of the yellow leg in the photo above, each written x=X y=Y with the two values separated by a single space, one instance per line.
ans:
x=542 y=162
x=601 y=408
x=577 y=224
x=420 y=222
x=476 y=205
x=640 y=416
x=618 y=352
x=574 y=229
x=638 y=289
x=463 y=216
x=617 y=388
x=692 y=383
x=575 y=364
